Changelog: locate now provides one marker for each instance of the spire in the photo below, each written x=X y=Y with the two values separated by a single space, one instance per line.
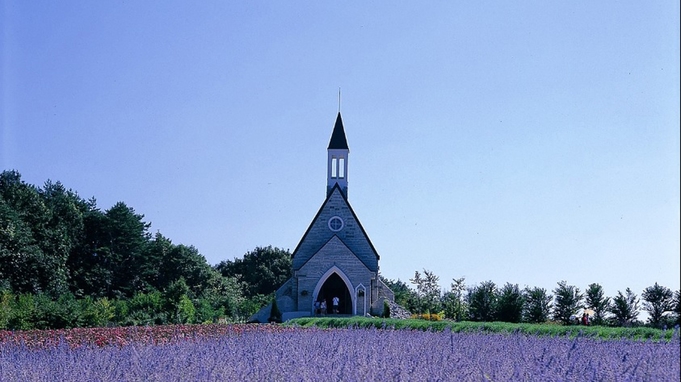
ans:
x=338 y=140
x=337 y=162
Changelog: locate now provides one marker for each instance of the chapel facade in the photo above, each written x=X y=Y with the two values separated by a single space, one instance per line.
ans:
x=335 y=257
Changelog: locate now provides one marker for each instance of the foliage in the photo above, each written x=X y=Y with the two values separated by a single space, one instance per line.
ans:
x=262 y=270
x=658 y=301
x=567 y=302
x=275 y=314
x=429 y=316
x=186 y=312
x=427 y=291
x=66 y=263
x=145 y=309
x=537 y=305
x=453 y=302
x=596 y=300
x=510 y=303
x=625 y=307
x=386 y=309
x=34 y=242
x=123 y=336
x=482 y=301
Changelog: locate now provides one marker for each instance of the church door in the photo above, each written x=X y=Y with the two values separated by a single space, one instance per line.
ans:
x=334 y=286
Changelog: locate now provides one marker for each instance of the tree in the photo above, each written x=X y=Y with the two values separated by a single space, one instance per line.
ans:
x=537 y=305
x=567 y=302
x=89 y=268
x=263 y=270
x=64 y=231
x=186 y=261
x=596 y=300
x=159 y=251
x=454 y=302
x=625 y=307
x=225 y=298
x=482 y=301
x=658 y=301
x=173 y=297
x=431 y=292
x=186 y=312
x=275 y=313
x=419 y=282
x=24 y=222
x=427 y=291
x=510 y=303
x=125 y=248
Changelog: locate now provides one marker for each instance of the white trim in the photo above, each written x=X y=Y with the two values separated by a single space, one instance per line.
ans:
x=346 y=280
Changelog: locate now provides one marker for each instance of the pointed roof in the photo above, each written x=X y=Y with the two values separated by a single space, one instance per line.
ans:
x=338 y=140
x=360 y=244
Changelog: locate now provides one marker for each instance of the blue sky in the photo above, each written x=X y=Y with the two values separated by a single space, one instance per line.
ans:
x=524 y=142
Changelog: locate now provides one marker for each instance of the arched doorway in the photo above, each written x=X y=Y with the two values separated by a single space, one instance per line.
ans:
x=334 y=286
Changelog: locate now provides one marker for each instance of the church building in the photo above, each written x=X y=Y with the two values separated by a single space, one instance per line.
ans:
x=334 y=260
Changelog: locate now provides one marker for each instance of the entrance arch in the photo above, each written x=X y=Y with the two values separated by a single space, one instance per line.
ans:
x=334 y=283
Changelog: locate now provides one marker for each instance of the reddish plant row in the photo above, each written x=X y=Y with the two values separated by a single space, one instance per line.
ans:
x=121 y=336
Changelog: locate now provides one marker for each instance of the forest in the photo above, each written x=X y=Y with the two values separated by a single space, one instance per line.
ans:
x=66 y=263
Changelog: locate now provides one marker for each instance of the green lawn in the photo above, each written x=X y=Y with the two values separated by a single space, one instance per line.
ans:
x=601 y=332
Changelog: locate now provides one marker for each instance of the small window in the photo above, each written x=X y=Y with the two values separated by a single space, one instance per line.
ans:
x=341 y=168
x=334 y=165
x=336 y=224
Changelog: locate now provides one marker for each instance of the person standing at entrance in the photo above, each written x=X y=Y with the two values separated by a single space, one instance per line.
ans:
x=336 y=300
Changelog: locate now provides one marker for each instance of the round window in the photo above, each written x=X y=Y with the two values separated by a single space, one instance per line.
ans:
x=335 y=224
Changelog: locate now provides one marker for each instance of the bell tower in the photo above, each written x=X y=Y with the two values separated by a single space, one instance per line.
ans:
x=337 y=161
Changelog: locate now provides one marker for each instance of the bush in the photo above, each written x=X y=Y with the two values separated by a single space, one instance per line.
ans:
x=429 y=316
x=186 y=312
x=275 y=314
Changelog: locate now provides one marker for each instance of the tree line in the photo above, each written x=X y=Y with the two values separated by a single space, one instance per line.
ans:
x=65 y=263
x=509 y=303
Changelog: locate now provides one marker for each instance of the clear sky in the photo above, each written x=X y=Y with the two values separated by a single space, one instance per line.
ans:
x=522 y=142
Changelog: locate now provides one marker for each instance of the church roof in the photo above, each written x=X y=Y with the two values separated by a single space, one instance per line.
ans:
x=310 y=243
x=338 y=140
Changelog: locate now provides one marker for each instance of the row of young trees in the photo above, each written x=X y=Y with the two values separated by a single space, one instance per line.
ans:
x=510 y=303
x=66 y=263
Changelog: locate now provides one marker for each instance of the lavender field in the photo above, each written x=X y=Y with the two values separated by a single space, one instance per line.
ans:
x=267 y=353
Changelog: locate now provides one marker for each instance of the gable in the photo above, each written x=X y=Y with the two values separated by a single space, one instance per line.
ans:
x=320 y=231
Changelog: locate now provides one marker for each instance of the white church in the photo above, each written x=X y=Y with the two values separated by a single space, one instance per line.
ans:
x=335 y=257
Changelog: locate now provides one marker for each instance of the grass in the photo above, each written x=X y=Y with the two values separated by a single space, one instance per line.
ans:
x=548 y=329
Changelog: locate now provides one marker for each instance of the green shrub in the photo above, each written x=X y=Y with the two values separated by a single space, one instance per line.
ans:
x=186 y=312
x=275 y=314
x=6 y=299
x=23 y=313
x=386 y=309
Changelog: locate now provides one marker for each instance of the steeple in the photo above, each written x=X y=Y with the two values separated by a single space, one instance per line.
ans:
x=337 y=162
